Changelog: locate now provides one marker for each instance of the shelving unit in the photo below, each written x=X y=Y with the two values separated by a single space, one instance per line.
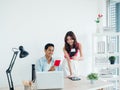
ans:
x=105 y=45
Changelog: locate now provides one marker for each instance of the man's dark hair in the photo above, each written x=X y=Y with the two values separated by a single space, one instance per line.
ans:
x=48 y=45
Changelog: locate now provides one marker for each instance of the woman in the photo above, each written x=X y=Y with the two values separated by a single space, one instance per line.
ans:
x=73 y=54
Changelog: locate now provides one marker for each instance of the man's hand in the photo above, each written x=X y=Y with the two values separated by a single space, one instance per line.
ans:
x=52 y=68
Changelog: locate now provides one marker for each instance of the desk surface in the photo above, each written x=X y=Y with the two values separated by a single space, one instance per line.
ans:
x=85 y=84
x=82 y=84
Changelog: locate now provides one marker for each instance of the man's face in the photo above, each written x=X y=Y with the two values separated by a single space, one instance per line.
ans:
x=49 y=51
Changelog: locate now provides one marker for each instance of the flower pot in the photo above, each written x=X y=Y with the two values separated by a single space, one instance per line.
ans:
x=92 y=81
x=112 y=62
x=27 y=87
x=99 y=28
x=112 y=59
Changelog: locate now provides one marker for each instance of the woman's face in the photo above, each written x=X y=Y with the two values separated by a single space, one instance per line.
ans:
x=49 y=51
x=70 y=41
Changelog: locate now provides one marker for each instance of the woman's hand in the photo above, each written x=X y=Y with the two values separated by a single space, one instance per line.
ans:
x=77 y=58
x=81 y=58
x=52 y=68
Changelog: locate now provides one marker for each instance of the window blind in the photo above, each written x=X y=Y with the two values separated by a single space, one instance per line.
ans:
x=114 y=15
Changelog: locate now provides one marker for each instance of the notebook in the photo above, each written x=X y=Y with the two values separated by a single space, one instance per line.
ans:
x=50 y=80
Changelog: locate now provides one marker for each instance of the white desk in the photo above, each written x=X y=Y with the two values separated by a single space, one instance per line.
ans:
x=85 y=84
x=82 y=84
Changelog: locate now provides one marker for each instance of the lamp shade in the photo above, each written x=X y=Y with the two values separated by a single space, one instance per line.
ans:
x=23 y=53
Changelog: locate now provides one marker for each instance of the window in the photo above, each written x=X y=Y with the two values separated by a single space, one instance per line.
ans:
x=113 y=14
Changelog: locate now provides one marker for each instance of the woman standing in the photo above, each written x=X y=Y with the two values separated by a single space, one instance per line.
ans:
x=73 y=54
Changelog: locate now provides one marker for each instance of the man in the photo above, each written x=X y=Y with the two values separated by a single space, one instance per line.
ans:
x=46 y=63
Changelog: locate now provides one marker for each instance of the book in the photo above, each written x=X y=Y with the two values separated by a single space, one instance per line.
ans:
x=57 y=62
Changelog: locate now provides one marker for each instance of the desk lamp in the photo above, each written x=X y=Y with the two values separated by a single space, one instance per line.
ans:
x=22 y=54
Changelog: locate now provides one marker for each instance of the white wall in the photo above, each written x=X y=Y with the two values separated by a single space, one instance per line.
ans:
x=33 y=23
x=102 y=9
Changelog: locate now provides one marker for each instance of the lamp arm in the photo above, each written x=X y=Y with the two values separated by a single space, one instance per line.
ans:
x=8 y=71
x=10 y=82
x=12 y=62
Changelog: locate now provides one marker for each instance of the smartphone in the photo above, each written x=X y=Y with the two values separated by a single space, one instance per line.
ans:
x=74 y=78
x=57 y=62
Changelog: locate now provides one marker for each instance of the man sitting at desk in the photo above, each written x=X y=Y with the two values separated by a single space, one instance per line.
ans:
x=46 y=63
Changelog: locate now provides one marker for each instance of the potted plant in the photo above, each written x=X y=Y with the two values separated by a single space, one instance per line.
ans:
x=92 y=77
x=112 y=59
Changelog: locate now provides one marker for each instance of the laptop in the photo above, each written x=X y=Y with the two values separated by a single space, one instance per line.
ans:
x=50 y=80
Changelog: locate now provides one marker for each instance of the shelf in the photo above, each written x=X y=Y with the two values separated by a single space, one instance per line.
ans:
x=108 y=66
x=110 y=78
x=105 y=45
x=106 y=34
x=106 y=54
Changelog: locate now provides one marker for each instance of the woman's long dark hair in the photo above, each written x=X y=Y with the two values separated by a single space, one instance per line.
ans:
x=75 y=44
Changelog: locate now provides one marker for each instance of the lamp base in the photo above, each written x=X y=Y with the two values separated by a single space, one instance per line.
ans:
x=12 y=88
